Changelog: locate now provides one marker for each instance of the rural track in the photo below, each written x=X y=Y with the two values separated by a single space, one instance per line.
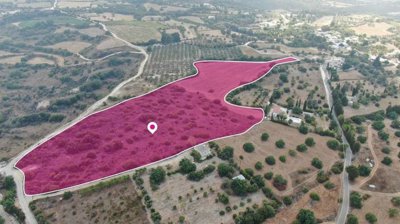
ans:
x=9 y=169
x=371 y=148
x=346 y=188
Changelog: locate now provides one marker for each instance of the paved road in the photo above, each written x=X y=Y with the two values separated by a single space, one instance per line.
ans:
x=9 y=169
x=345 y=206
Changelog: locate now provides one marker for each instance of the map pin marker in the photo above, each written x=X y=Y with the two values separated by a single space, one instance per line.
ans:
x=152 y=127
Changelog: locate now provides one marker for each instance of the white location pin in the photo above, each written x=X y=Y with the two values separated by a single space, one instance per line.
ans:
x=152 y=127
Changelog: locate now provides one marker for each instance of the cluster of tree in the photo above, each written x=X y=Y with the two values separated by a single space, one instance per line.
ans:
x=256 y=215
x=157 y=176
x=167 y=38
x=9 y=197
x=36 y=119
x=355 y=171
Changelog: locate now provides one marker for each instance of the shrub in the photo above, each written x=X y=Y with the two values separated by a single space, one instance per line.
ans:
x=329 y=185
x=226 y=153
x=157 y=176
x=209 y=169
x=268 y=175
x=258 y=165
x=383 y=135
x=371 y=218
x=317 y=163
x=364 y=171
x=393 y=212
x=280 y=144
x=67 y=195
x=322 y=177
x=395 y=201
x=292 y=153
x=314 y=196
x=279 y=182
x=386 y=150
x=397 y=134
x=355 y=200
x=301 y=148
x=287 y=200
x=333 y=144
x=270 y=160
x=186 y=166
x=362 y=139
x=310 y=142
x=395 y=124
x=282 y=159
x=387 y=161
x=225 y=170
x=196 y=155
x=264 y=137
x=196 y=175
x=223 y=198
x=248 y=147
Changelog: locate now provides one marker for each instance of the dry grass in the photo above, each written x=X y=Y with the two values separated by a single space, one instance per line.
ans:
x=136 y=31
x=373 y=29
x=92 y=31
x=163 y=8
x=194 y=206
x=194 y=19
x=326 y=209
x=11 y=60
x=107 y=16
x=292 y=138
x=323 y=21
x=109 y=43
x=40 y=60
x=117 y=204
x=351 y=75
x=72 y=46
x=378 y=205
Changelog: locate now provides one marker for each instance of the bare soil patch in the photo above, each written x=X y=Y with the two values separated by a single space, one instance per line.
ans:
x=374 y=29
x=109 y=43
x=40 y=60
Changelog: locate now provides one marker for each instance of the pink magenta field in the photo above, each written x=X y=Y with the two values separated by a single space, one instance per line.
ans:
x=188 y=112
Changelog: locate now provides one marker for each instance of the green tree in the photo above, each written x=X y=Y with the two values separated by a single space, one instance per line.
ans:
x=333 y=144
x=355 y=200
x=371 y=218
x=352 y=219
x=317 y=163
x=310 y=141
x=67 y=195
x=223 y=198
x=270 y=160
x=258 y=165
x=306 y=216
x=186 y=166
x=387 y=161
x=239 y=187
x=314 y=196
x=280 y=144
x=225 y=170
x=364 y=171
x=264 y=137
x=157 y=176
x=301 y=148
x=353 y=172
x=248 y=147
x=226 y=153
x=378 y=125
x=303 y=129
x=279 y=182
x=393 y=212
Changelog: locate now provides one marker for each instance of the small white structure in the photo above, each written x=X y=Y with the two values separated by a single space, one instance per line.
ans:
x=372 y=186
x=295 y=121
x=240 y=177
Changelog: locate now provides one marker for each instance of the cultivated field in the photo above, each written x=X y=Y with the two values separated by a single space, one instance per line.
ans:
x=136 y=31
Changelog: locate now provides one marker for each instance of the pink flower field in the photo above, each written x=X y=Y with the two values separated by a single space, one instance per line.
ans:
x=188 y=112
